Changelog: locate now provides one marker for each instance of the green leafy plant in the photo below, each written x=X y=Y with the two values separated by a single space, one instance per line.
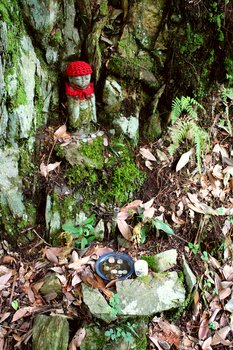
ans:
x=114 y=302
x=15 y=304
x=184 y=120
x=194 y=247
x=82 y=234
x=141 y=220
x=123 y=331
x=205 y=256
x=227 y=99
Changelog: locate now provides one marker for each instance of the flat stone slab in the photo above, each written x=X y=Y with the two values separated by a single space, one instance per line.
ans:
x=148 y=295
x=50 y=333
x=97 y=304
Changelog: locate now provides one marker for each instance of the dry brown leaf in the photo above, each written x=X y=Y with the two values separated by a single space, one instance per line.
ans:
x=123 y=215
x=51 y=256
x=228 y=170
x=184 y=159
x=154 y=340
x=206 y=344
x=46 y=169
x=132 y=205
x=149 y=165
x=203 y=329
x=220 y=336
x=147 y=154
x=61 y=133
x=162 y=156
x=223 y=294
x=149 y=213
x=148 y=204
x=124 y=229
x=8 y=259
x=77 y=264
x=227 y=272
x=4 y=316
x=77 y=339
x=4 y=279
x=177 y=220
x=101 y=251
x=193 y=198
x=24 y=311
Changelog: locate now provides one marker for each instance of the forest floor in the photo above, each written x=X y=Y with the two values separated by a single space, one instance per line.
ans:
x=198 y=207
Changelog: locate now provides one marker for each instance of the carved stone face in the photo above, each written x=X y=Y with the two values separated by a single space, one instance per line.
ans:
x=81 y=81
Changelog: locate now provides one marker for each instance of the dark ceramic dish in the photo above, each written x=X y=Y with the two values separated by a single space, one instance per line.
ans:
x=112 y=266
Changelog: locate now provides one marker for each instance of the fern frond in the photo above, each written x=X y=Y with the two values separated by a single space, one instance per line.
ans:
x=186 y=104
x=179 y=132
x=201 y=140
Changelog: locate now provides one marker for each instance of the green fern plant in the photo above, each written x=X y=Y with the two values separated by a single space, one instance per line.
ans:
x=185 y=127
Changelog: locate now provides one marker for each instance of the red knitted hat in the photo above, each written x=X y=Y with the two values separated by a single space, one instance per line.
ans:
x=78 y=68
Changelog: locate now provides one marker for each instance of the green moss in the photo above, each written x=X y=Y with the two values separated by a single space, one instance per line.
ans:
x=152 y=262
x=94 y=152
x=104 y=8
x=144 y=279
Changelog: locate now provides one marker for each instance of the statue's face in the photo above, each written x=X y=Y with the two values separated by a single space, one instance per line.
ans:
x=81 y=81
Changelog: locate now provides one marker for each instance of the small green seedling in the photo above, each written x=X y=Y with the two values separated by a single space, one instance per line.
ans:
x=121 y=332
x=82 y=234
x=194 y=247
x=114 y=302
x=15 y=304
x=205 y=256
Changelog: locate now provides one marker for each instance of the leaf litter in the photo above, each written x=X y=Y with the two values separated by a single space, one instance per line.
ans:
x=184 y=201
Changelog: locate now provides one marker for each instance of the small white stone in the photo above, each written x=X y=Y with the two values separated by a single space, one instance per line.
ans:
x=141 y=268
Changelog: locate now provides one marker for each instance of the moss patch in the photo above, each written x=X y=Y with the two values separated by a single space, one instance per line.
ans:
x=152 y=262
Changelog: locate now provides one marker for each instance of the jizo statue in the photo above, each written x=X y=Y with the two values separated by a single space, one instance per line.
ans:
x=81 y=96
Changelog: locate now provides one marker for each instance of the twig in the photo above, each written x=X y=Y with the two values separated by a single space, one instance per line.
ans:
x=12 y=289
x=37 y=234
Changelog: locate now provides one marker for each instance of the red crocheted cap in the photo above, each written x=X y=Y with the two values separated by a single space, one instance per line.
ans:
x=78 y=68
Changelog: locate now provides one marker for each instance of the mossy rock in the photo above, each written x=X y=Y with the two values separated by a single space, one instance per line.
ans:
x=50 y=333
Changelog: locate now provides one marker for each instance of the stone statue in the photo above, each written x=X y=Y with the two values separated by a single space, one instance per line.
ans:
x=81 y=97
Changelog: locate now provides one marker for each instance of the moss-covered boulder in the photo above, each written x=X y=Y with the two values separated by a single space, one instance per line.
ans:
x=50 y=333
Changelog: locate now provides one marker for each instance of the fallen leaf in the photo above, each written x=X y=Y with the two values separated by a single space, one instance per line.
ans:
x=207 y=343
x=223 y=294
x=46 y=169
x=51 y=256
x=101 y=251
x=147 y=154
x=124 y=229
x=203 y=329
x=24 y=311
x=162 y=156
x=61 y=133
x=149 y=165
x=77 y=264
x=177 y=220
x=132 y=205
x=148 y=204
x=77 y=339
x=149 y=213
x=184 y=159
x=155 y=341
x=4 y=279
x=8 y=259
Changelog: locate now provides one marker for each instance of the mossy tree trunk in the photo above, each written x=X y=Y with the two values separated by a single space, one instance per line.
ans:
x=151 y=51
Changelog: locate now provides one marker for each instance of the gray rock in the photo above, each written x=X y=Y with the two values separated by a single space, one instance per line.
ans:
x=112 y=96
x=97 y=304
x=99 y=230
x=163 y=261
x=148 y=295
x=10 y=182
x=51 y=285
x=128 y=126
x=50 y=333
x=190 y=278
x=166 y=260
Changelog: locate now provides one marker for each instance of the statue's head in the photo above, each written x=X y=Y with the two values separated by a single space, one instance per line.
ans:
x=79 y=74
